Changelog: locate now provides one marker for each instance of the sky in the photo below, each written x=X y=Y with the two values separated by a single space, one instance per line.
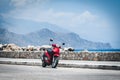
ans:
x=94 y=20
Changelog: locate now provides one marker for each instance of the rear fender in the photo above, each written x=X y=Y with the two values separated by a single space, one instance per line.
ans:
x=47 y=55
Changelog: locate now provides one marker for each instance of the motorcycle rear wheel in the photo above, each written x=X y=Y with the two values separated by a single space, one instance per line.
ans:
x=43 y=64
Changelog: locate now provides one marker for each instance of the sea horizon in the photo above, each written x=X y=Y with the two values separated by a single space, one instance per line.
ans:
x=97 y=50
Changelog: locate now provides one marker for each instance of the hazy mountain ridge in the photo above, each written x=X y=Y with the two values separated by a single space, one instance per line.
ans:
x=32 y=25
x=42 y=37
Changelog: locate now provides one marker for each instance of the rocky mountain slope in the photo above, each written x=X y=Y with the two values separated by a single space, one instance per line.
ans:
x=43 y=36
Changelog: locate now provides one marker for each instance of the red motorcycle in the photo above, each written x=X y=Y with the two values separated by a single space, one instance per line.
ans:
x=50 y=57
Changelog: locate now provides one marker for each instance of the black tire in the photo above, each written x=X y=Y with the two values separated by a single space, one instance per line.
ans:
x=55 y=62
x=43 y=64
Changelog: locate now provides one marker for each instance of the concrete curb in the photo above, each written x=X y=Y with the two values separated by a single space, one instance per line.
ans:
x=21 y=63
x=108 y=67
x=90 y=66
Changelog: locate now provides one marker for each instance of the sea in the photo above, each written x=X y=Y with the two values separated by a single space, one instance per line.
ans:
x=98 y=50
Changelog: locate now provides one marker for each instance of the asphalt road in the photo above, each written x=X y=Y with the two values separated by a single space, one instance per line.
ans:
x=21 y=72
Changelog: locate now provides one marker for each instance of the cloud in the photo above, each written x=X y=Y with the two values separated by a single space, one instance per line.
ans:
x=26 y=3
x=18 y=3
x=51 y=16
x=33 y=10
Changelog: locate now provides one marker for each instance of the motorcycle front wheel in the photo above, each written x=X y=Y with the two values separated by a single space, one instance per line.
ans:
x=55 y=62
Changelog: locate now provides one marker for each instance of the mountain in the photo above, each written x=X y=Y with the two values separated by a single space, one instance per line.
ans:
x=42 y=37
x=10 y=37
x=23 y=25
